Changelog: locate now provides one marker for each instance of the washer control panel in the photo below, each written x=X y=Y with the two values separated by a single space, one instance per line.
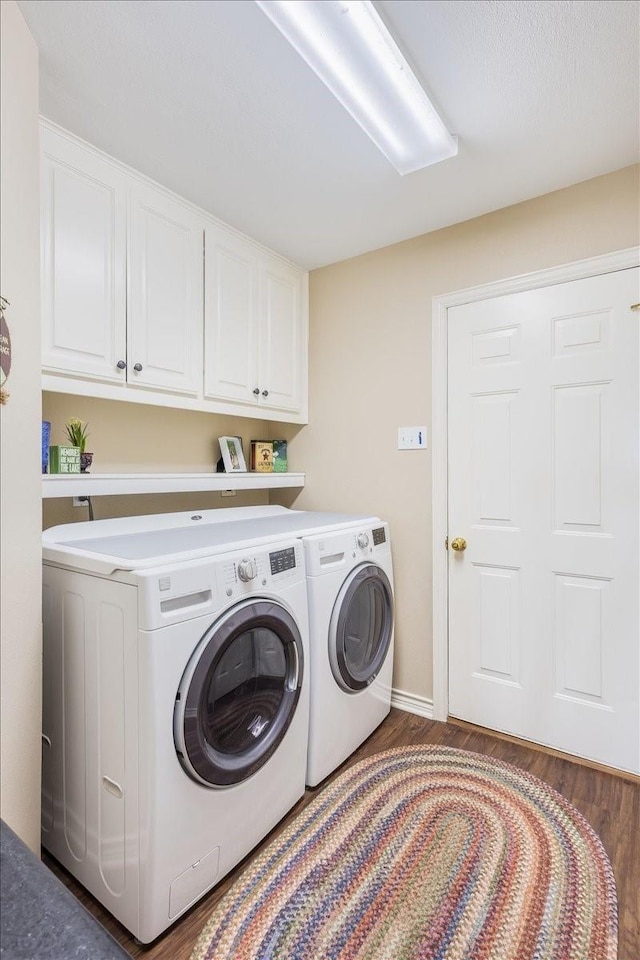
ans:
x=177 y=592
x=282 y=560
x=255 y=570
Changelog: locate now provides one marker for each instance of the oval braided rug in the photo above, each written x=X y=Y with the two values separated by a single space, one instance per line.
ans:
x=424 y=853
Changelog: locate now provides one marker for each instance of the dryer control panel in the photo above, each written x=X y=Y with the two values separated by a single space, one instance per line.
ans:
x=369 y=541
x=328 y=552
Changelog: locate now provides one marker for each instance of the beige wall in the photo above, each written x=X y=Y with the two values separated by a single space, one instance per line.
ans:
x=136 y=438
x=370 y=369
x=20 y=578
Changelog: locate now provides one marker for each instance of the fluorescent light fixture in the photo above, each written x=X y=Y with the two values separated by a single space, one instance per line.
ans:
x=346 y=43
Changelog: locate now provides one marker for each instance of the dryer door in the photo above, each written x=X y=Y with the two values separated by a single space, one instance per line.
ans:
x=238 y=693
x=361 y=627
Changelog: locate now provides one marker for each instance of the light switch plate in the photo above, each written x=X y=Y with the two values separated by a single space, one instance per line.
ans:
x=412 y=438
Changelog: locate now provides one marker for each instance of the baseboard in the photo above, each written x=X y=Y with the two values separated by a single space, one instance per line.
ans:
x=411 y=703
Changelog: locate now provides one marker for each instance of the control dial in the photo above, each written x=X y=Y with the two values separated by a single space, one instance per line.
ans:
x=247 y=570
x=363 y=540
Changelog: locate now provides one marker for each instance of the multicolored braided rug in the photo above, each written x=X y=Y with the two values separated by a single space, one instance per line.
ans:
x=424 y=853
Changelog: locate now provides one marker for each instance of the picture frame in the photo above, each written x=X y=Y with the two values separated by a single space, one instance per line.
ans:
x=232 y=454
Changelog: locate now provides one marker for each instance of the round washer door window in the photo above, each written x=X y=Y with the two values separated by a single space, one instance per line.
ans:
x=238 y=693
x=361 y=627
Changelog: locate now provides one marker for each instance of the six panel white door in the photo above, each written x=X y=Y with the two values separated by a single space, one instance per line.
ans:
x=543 y=485
x=165 y=313
x=83 y=251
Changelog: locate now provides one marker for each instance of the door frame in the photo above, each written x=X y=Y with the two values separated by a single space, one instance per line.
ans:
x=580 y=269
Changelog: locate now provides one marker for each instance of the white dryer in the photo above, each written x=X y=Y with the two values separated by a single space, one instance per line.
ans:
x=175 y=721
x=351 y=620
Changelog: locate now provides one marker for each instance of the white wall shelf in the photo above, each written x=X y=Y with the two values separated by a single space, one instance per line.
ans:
x=112 y=484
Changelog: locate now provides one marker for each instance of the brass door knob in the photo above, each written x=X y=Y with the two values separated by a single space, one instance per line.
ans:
x=459 y=544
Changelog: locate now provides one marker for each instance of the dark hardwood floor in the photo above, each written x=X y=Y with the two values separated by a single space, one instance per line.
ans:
x=610 y=803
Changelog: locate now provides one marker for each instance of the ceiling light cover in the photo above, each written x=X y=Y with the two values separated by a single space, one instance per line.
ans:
x=346 y=43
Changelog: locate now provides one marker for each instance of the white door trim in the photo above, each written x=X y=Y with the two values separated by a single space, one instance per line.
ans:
x=594 y=266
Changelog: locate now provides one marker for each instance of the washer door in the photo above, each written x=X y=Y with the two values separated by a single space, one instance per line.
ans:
x=361 y=627
x=238 y=693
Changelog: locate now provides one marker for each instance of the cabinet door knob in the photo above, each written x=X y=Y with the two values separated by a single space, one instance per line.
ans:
x=265 y=393
x=121 y=365
x=257 y=391
x=137 y=367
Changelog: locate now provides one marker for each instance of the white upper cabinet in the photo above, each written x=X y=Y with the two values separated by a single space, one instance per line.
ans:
x=83 y=261
x=165 y=293
x=255 y=326
x=130 y=312
x=283 y=337
x=231 y=316
x=93 y=327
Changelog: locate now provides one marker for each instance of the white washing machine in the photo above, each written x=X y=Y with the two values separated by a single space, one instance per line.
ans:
x=175 y=714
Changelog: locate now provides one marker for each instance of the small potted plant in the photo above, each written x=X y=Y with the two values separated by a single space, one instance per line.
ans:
x=77 y=436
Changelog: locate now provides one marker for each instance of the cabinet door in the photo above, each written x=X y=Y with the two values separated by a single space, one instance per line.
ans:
x=83 y=242
x=165 y=293
x=231 y=317
x=283 y=336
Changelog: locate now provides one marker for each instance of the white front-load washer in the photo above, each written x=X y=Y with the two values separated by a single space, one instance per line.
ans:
x=175 y=714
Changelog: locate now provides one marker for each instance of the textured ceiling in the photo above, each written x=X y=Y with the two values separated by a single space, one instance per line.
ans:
x=206 y=97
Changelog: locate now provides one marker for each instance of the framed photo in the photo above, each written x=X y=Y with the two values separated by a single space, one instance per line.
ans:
x=232 y=455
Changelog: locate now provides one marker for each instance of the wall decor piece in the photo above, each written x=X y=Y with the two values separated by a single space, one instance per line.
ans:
x=232 y=455
x=5 y=350
x=64 y=459
x=280 y=464
x=262 y=456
